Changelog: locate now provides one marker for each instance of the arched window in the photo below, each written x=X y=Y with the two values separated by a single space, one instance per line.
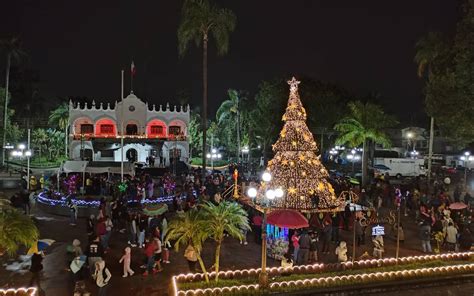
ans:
x=156 y=129
x=131 y=129
x=105 y=127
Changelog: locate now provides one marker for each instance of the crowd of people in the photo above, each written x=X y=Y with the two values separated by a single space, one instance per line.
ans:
x=120 y=213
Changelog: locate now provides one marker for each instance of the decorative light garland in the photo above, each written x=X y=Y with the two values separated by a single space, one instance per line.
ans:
x=317 y=268
x=28 y=291
x=332 y=280
x=62 y=201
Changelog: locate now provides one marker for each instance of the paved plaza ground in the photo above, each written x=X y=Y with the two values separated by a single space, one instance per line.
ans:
x=57 y=280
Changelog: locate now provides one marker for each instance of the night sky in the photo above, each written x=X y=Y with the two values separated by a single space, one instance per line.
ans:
x=79 y=47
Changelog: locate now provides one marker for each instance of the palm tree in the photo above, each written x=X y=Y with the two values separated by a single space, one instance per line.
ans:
x=39 y=139
x=60 y=118
x=15 y=229
x=200 y=19
x=365 y=123
x=229 y=113
x=12 y=48
x=188 y=229
x=227 y=217
x=428 y=49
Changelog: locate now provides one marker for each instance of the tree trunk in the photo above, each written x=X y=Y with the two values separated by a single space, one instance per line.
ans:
x=217 y=259
x=204 y=103
x=238 y=130
x=65 y=140
x=5 y=112
x=365 y=158
x=203 y=267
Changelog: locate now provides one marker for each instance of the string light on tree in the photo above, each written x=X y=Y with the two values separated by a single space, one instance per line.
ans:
x=296 y=168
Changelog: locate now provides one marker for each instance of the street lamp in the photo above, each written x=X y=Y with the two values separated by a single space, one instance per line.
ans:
x=269 y=194
x=353 y=157
x=20 y=153
x=212 y=156
x=466 y=158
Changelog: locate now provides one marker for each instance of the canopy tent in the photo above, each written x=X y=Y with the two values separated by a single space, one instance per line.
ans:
x=79 y=166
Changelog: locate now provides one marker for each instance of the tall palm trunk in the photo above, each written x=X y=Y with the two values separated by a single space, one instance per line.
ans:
x=65 y=140
x=217 y=259
x=204 y=103
x=365 y=158
x=203 y=267
x=5 y=111
x=238 y=131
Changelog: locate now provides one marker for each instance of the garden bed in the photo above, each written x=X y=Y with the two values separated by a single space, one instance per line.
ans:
x=308 y=277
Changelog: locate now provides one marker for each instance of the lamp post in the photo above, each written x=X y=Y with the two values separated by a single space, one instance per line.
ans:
x=212 y=156
x=409 y=136
x=269 y=194
x=20 y=153
x=466 y=158
x=353 y=157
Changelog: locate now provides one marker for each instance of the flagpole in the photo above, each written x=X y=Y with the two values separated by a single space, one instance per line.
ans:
x=121 y=136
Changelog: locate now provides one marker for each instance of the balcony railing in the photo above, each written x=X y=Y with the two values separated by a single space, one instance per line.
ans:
x=89 y=137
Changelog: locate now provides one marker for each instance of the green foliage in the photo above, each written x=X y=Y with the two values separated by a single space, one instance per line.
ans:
x=59 y=117
x=449 y=85
x=365 y=122
x=188 y=229
x=14 y=132
x=201 y=18
x=227 y=217
x=195 y=134
x=50 y=141
x=16 y=229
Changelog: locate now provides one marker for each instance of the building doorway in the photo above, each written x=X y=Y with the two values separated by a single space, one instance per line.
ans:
x=132 y=155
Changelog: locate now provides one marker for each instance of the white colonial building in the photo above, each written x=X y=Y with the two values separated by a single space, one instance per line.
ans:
x=160 y=133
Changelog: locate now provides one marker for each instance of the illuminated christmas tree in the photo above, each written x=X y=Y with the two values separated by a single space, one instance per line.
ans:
x=296 y=169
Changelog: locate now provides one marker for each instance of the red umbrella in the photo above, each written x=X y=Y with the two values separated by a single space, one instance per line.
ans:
x=457 y=206
x=287 y=218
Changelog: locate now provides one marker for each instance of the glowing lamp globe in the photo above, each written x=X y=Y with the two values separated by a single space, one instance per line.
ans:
x=252 y=192
x=279 y=192
x=266 y=177
x=270 y=194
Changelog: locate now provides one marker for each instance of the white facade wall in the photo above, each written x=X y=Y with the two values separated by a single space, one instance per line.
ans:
x=131 y=110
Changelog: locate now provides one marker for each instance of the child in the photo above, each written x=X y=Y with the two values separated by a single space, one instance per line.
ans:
x=341 y=252
x=378 y=246
x=126 y=258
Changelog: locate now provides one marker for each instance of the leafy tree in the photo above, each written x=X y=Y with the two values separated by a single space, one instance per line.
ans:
x=12 y=49
x=195 y=134
x=16 y=229
x=55 y=143
x=229 y=117
x=366 y=122
x=14 y=133
x=188 y=228
x=449 y=85
x=39 y=140
x=227 y=217
x=60 y=118
x=265 y=118
x=199 y=20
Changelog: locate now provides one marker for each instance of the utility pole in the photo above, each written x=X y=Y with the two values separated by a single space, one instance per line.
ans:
x=430 y=151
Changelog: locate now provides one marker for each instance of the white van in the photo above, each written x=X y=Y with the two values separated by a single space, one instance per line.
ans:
x=402 y=167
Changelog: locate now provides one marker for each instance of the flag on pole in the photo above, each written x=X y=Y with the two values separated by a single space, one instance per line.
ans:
x=132 y=69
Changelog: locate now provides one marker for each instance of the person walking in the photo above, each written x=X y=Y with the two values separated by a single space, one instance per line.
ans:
x=150 y=257
x=95 y=253
x=451 y=237
x=296 y=245
x=126 y=259
x=102 y=277
x=35 y=269
x=326 y=237
x=425 y=236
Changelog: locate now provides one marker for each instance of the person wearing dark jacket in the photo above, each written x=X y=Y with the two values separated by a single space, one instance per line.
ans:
x=465 y=240
x=304 y=243
x=36 y=268
x=94 y=252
